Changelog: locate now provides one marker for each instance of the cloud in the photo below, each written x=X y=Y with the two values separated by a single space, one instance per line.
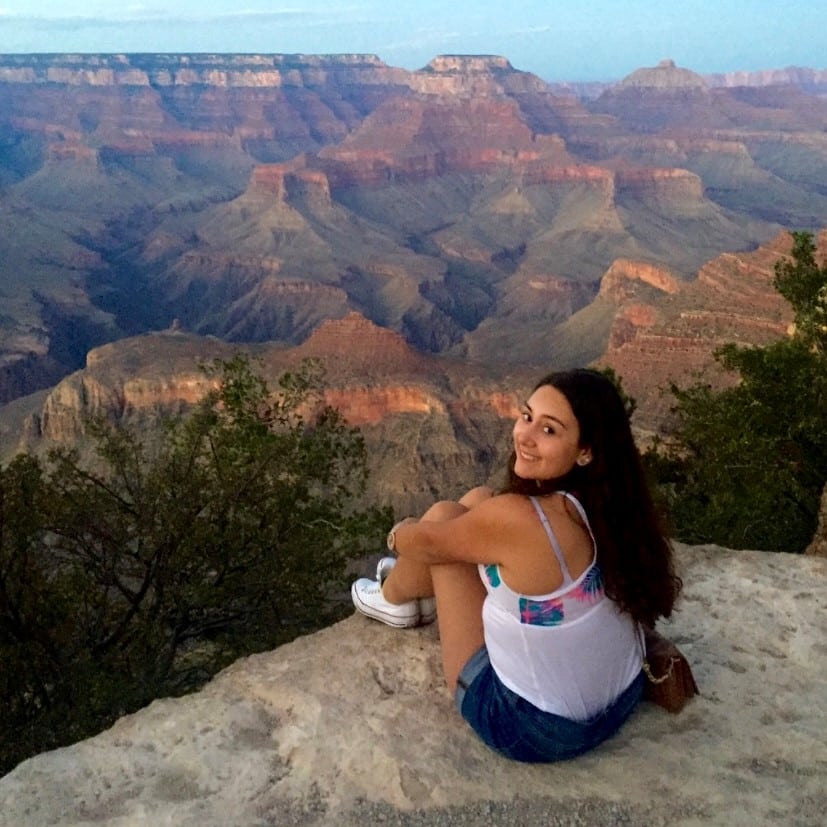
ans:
x=115 y=19
x=422 y=40
x=136 y=27
x=530 y=30
x=143 y=16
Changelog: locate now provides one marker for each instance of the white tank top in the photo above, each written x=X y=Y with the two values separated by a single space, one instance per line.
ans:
x=571 y=652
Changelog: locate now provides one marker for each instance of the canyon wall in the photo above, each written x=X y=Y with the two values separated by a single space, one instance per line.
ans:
x=434 y=428
x=466 y=208
x=665 y=330
x=436 y=425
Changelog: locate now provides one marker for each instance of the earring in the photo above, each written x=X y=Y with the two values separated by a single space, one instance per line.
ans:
x=582 y=461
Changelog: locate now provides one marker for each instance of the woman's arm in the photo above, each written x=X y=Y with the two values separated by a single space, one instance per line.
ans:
x=487 y=533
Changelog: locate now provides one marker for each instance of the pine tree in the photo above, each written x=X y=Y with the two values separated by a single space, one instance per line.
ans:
x=745 y=466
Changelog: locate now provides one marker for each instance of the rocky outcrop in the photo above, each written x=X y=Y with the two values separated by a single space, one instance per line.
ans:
x=161 y=372
x=361 y=347
x=678 y=185
x=353 y=726
x=465 y=75
x=665 y=330
x=625 y=272
x=218 y=70
x=117 y=384
x=409 y=139
x=676 y=102
x=179 y=102
x=81 y=397
x=369 y=406
x=666 y=75
x=441 y=421
x=811 y=80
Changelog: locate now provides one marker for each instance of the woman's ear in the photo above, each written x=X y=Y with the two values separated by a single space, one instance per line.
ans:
x=585 y=457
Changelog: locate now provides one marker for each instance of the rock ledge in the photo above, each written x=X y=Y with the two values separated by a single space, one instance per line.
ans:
x=351 y=726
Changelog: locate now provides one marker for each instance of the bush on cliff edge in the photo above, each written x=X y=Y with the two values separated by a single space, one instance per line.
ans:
x=745 y=467
x=146 y=574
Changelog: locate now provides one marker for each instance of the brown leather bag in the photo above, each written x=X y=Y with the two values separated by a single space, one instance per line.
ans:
x=670 y=682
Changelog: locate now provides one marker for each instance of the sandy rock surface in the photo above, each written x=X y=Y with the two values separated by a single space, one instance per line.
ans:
x=352 y=726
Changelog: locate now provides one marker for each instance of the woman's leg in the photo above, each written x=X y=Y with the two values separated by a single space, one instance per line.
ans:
x=459 y=598
x=410 y=579
x=458 y=589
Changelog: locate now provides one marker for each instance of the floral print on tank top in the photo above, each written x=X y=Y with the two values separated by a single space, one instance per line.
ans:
x=554 y=611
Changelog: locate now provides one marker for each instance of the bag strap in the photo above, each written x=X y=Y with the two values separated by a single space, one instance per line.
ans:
x=647 y=667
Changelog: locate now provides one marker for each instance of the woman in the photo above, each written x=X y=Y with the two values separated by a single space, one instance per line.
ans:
x=540 y=590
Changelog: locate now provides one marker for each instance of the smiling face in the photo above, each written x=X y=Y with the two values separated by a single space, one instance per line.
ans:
x=547 y=437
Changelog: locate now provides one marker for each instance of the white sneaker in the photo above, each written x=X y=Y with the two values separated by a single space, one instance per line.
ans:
x=368 y=599
x=427 y=605
x=383 y=568
x=427 y=610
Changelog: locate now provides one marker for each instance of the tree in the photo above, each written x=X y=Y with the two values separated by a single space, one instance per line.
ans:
x=745 y=466
x=145 y=574
x=804 y=285
x=629 y=402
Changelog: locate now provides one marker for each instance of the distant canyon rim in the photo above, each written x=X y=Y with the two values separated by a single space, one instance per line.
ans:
x=438 y=237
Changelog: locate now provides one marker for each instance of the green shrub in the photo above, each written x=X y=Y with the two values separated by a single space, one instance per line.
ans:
x=144 y=575
x=745 y=466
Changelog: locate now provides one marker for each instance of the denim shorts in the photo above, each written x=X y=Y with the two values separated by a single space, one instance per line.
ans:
x=517 y=729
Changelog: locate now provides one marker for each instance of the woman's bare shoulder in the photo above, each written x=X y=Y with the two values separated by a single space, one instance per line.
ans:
x=500 y=503
x=502 y=512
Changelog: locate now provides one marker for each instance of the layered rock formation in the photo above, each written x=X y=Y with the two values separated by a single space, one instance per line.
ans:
x=666 y=330
x=353 y=726
x=444 y=421
x=811 y=80
x=433 y=426
x=254 y=197
x=666 y=75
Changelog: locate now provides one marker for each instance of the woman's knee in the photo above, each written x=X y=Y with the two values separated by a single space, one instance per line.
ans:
x=476 y=495
x=448 y=509
x=444 y=510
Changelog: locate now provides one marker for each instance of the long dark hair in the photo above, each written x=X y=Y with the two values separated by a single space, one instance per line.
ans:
x=635 y=556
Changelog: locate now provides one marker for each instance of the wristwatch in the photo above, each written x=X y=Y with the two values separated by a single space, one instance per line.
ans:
x=391 y=541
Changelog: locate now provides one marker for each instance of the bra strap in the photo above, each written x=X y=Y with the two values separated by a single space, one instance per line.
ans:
x=558 y=552
x=582 y=512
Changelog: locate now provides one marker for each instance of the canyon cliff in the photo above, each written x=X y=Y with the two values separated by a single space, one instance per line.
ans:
x=666 y=331
x=466 y=206
x=435 y=424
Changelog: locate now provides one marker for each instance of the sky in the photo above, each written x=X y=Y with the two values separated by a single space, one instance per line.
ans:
x=575 y=40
